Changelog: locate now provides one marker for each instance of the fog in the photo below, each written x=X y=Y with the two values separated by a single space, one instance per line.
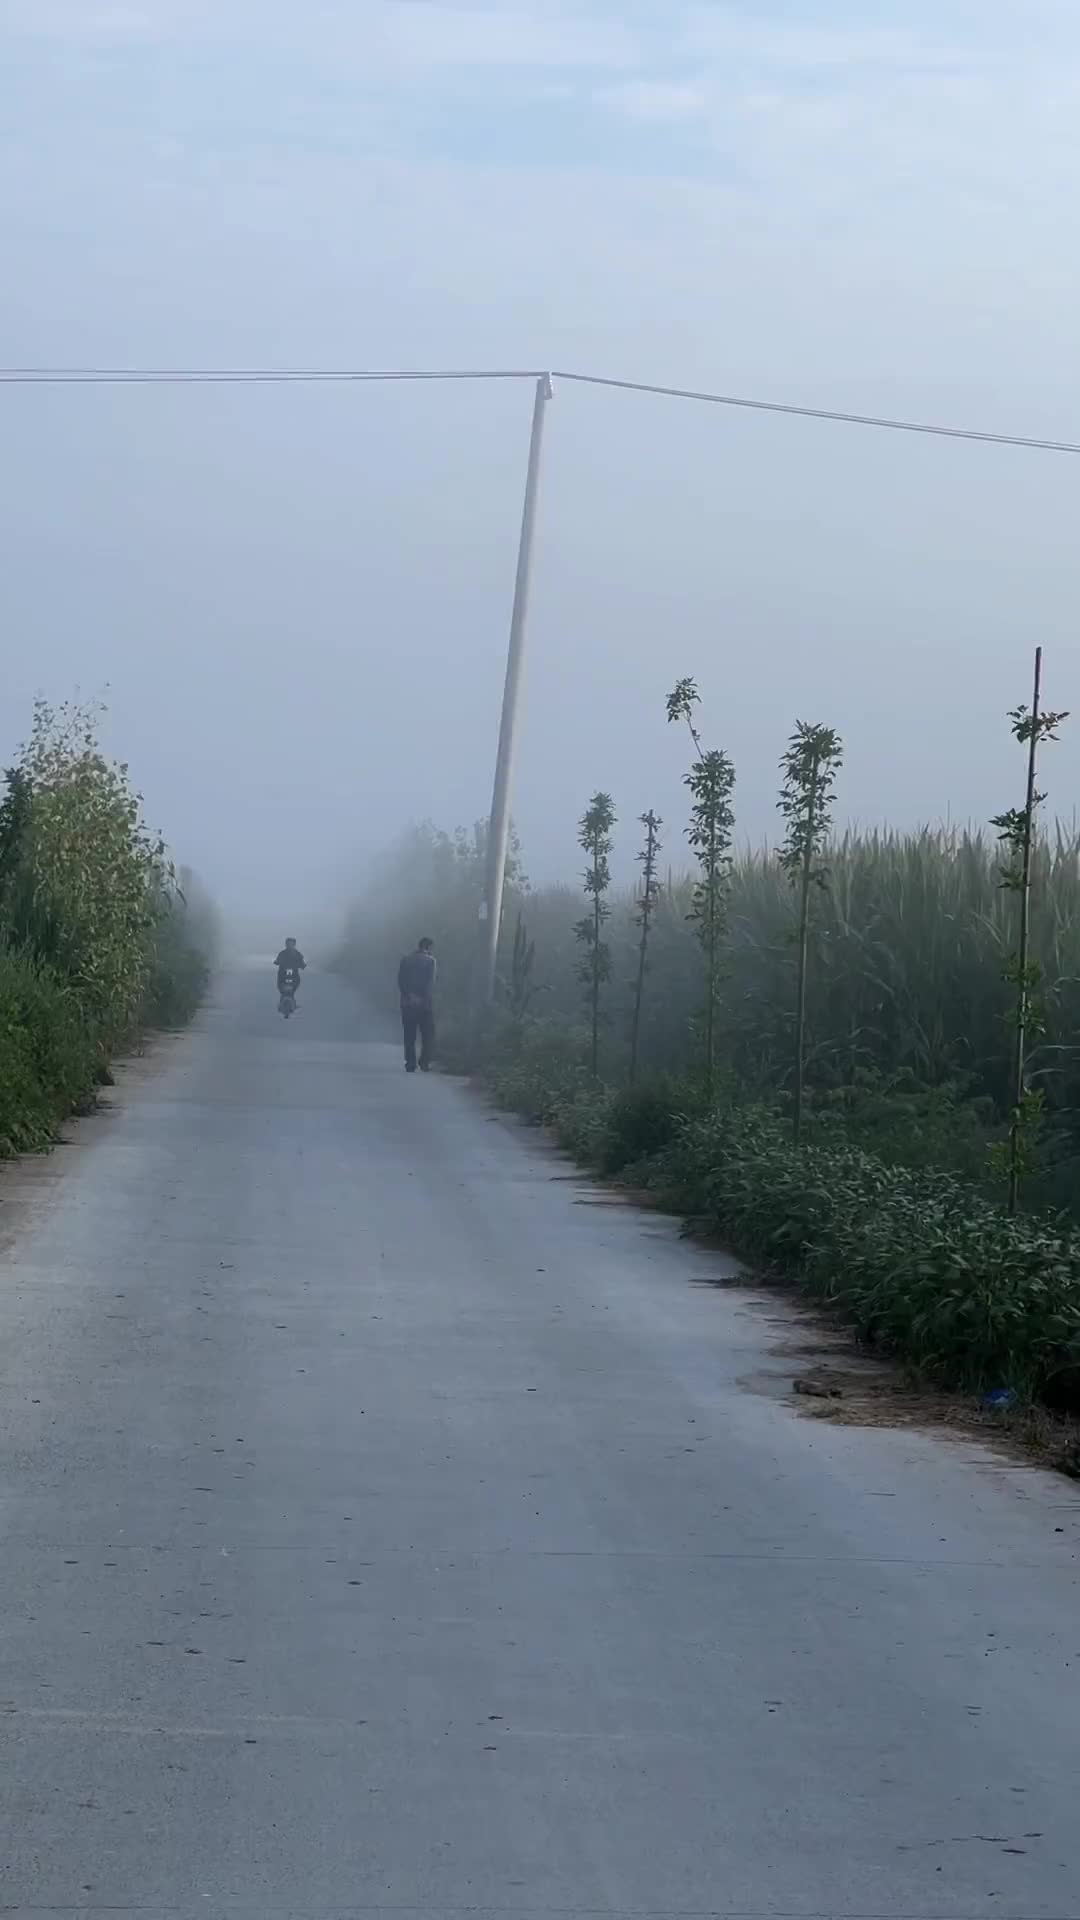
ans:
x=297 y=597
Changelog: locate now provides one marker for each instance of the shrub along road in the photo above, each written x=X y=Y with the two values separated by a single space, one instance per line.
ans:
x=385 y=1528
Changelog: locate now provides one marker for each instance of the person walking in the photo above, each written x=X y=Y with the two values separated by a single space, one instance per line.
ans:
x=416 y=986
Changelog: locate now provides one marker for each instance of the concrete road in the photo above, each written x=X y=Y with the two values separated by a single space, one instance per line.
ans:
x=386 y=1530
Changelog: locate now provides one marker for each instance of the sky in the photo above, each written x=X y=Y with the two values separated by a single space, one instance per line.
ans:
x=297 y=597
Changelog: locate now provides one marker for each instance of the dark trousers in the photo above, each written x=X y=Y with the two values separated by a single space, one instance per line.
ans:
x=418 y=1020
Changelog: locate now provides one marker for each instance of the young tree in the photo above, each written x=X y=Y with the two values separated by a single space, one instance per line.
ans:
x=809 y=768
x=646 y=906
x=711 y=781
x=594 y=837
x=1016 y=831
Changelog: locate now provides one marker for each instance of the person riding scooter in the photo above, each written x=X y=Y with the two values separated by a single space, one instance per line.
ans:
x=290 y=964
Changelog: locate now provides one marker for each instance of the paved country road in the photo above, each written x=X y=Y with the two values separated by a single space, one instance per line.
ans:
x=385 y=1530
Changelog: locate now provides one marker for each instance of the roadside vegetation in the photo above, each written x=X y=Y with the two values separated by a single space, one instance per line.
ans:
x=854 y=1058
x=99 y=936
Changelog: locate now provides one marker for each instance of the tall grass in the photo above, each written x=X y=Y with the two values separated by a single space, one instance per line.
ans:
x=908 y=1010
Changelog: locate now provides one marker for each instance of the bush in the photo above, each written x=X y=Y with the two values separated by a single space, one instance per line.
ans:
x=920 y=1262
x=538 y=1068
x=98 y=938
x=49 y=1059
x=899 y=1119
x=642 y=1121
x=923 y=1264
x=580 y=1123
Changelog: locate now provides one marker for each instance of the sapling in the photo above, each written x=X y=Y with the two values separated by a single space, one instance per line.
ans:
x=594 y=837
x=1016 y=830
x=711 y=781
x=809 y=768
x=646 y=907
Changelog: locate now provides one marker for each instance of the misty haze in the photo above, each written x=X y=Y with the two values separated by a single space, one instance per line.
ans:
x=539 y=958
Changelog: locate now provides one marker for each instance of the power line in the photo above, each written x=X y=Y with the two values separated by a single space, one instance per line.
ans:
x=826 y=413
x=244 y=376
x=285 y=376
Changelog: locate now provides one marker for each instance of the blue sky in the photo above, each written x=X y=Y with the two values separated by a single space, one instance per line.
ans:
x=869 y=208
x=405 y=71
x=938 y=139
x=401 y=70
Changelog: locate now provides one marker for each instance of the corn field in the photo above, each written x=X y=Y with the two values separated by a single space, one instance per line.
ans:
x=909 y=1028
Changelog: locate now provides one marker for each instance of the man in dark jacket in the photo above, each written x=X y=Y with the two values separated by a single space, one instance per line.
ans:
x=416 y=985
x=290 y=964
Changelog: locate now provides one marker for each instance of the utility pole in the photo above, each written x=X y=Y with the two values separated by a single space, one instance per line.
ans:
x=499 y=824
